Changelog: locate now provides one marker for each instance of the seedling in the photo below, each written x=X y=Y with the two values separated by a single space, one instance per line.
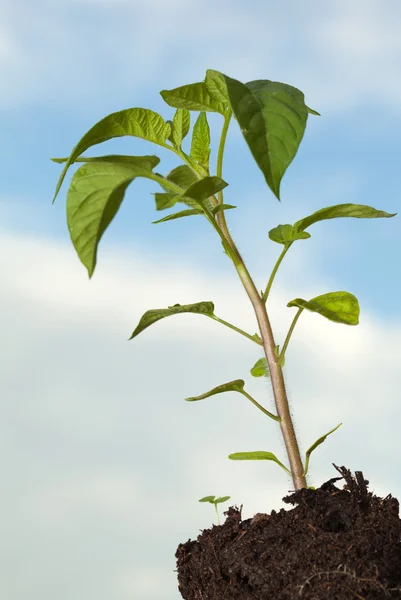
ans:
x=272 y=118
x=215 y=501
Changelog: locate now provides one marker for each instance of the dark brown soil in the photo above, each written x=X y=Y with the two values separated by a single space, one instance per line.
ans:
x=336 y=544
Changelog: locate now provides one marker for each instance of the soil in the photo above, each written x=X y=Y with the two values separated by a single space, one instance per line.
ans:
x=336 y=544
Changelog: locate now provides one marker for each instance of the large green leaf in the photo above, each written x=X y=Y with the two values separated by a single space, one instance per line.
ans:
x=194 y=96
x=200 y=146
x=138 y=122
x=231 y=386
x=154 y=315
x=358 y=211
x=115 y=158
x=272 y=117
x=316 y=444
x=258 y=455
x=182 y=176
x=340 y=307
x=96 y=192
x=180 y=126
x=286 y=234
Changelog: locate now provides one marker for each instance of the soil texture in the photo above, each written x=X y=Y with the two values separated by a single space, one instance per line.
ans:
x=336 y=544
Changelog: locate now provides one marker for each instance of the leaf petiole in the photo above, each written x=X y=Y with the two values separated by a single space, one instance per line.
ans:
x=234 y=328
x=291 y=329
x=273 y=274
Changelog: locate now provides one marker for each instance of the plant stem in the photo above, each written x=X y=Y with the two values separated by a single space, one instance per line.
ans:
x=247 y=335
x=217 y=513
x=272 y=276
x=276 y=373
x=260 y=407
x=219 y=166
x=291 y=329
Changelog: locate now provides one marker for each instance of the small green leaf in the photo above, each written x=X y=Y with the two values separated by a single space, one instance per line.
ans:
x=137 y=122
x=96 y=192
x=115 y=158
x=194 y=96
x=258 y=455
x=220 y=207
x=180 y=126
x=261 y=368
x=151 y=316
x=340 y=307
x=272 y=117
x=208 y=499
x=182 y=176
x=316 y=444
x=357 y=211
x=313 y=112
x=222 y=499
x=200 y=191
x=216 y=86
x=200 y=146
x=165 y=200
x=285 y=234
x=182 y=213
x=231 y=386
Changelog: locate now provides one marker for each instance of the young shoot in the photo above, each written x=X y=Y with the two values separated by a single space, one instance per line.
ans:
x=272 y=118
x=215 y=501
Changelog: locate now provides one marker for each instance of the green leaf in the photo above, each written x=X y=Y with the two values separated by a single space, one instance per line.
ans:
x=96 y=192
x=316 y=444
x=220 y=207
x=194 y=96
x=257 y=455
x=115 y=158
x=222 y=499
x=231 y=386
x=216 y=86
x=165 y=200
x=340 y=307
x=200 y=146
x=151 y=316
x=272 y=117
x=137 y=122
x=182 y=176
x=198 y=193
x=182 y=213
x=208 y=499
x=261 y=368
x=357 y=211
x=313 y=112
x=286 y=234
x=180 y=126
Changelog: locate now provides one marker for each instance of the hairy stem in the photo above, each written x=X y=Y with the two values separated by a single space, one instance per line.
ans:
x=276 y=373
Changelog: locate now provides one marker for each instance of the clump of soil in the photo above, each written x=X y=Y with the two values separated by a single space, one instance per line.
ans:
x=336 y=544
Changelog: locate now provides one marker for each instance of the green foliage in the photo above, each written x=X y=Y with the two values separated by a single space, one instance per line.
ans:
x=95 y=195
x=231 y=386
x=215 y=501
x=258 y=455
x=156 y=314
x=180 y=126
x=340 y=307
x=194 y=96
x=200 y=147
x=316 y=444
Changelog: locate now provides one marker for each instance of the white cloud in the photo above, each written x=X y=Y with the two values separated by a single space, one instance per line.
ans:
x=105 y=462
x=341 y=54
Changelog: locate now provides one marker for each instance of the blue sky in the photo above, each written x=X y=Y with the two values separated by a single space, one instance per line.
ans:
x=102 y=461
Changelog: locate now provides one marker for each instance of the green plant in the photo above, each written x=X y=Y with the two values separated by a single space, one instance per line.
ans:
x=272 y=117
x=215 y=501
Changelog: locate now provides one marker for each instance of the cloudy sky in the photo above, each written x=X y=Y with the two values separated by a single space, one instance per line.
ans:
x=102 y=461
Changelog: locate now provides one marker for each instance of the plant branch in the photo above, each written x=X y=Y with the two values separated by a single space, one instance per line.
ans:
x=291 y=329
x=276 y=266
x=260 y=407
x=234 y=328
